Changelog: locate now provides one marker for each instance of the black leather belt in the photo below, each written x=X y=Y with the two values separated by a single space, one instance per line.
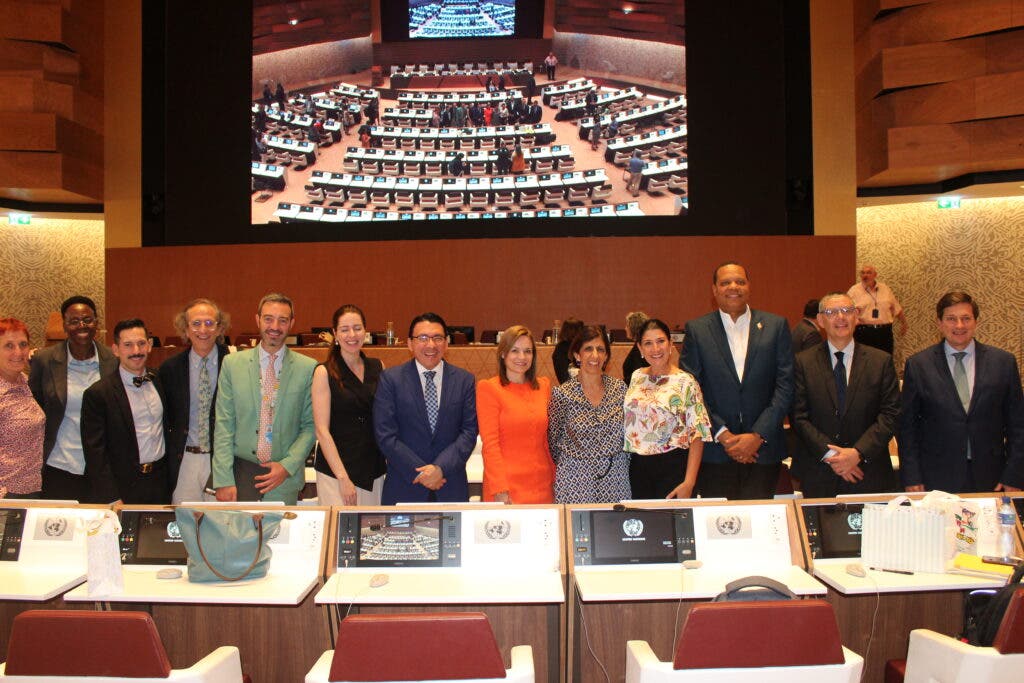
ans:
x=195 y=449
x=150 y=467
x=876 y=327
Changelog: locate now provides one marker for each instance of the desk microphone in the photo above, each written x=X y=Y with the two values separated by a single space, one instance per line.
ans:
x=619 y=507
x=435 y=518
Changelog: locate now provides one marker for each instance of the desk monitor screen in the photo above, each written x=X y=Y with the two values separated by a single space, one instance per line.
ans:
x=399 y=539
x=636 y=536
x=151 y=537
x=12 y=525
x=834 y=530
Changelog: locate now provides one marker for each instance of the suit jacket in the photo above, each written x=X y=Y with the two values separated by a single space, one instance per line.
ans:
x=174 y=376
x=757 y=404
x=48 y=380
x=867 y=422
x=110 y=443
x=238 y=419
x=403 y=433
x=805 y=335
x=934 y=428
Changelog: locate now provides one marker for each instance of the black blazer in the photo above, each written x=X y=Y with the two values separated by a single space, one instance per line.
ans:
x=805 y=335
x=109 y=441
x=48 y=380
x=174 y=378
x=934 y=429
x=867 y=423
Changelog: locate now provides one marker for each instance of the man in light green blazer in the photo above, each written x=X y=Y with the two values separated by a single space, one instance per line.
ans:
x=264 y=427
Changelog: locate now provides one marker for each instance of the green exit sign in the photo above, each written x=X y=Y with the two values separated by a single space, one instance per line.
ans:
x=19 y=219
x=949 y=202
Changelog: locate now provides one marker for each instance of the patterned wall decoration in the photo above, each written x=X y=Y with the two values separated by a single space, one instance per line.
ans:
x=299 y=66
x=46 y=262
x=622 y=56
x=922 y=252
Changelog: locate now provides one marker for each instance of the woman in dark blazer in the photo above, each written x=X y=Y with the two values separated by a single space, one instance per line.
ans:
x=349 y=466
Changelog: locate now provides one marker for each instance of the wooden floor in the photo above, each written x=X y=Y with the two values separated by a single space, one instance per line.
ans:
x=330 y=158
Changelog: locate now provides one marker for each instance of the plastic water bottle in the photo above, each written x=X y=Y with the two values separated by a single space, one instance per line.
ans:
x=1006 y=528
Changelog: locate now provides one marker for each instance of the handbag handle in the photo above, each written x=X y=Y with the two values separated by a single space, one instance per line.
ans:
x=738 y=585
x=257 y=519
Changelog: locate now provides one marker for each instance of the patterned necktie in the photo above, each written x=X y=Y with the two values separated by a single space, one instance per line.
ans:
x=205 y=397
x=268 y=389
x=430 y=398
x=840 y=372
x=963 y=389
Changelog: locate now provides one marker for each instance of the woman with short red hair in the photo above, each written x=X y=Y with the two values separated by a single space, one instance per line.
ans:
x=21 y=419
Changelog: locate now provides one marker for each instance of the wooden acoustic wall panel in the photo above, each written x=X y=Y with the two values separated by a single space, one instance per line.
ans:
x=51 y=117
x=937 y=86
x=316 y=21
x=459 y=51
x=662 y=21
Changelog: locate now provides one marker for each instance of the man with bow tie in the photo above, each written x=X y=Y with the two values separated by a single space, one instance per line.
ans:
x=123 y=426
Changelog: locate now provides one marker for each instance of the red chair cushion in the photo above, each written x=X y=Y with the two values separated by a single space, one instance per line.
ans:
x=895 y=670
x=81 y=643
x=756 y=634
x=413 y=647
x=1010 y=637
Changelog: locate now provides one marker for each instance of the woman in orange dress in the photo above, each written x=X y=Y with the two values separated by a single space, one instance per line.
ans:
x=512 y=410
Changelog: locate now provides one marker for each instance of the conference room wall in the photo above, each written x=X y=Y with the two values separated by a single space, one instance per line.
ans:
x=487 y=283
x=460 y=51
x=621 y=56
x=311 y=63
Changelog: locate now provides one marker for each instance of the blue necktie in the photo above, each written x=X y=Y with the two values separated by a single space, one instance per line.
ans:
x=430 y=398
x=840 y=372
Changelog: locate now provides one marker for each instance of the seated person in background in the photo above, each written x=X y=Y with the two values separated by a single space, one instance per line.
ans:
x=560 y=354
x=613 y=127
x=844 y=409
x=424 y=417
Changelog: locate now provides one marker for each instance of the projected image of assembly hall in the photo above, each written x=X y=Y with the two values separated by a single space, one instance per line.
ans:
x=398 y=537
x=461 y=18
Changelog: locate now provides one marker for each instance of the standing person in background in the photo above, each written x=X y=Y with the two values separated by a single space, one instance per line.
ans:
x=805 y=333
x=878 y=308
x=58 y=377
x=349 y=466
x=585 y=427
x=634 y=359
x=636 y=170
x=550 y=62
x=560 y=357
x=666 y=423
x=189 y=381
x=512 y=409
x=22 y=422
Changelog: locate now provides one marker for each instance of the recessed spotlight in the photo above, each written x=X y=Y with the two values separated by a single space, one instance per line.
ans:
x=627 y=10
x=293 y=22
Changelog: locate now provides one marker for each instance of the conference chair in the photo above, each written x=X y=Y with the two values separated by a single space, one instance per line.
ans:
x=174 y=340
x=600 y=194
x=478 y=200
x=478 y=168
x=553 y=197
x=677 y=184
x=405 y=199
x=299 y=162
x=566 y=164
x=543 y=166
x=657 y=152
x=380 y=199
x=432 y=168
x=527 y=140
x=409 y=143
x=933 y=657
x=429 y=200
x=448 y=144
x=487 y=143
x=489 y=337
x=369 y=167
x=618 y=336
x=334 y=198
x=310 y=339
x=529 y=199
x=622 y=158
x=357 y=197
x=389 y=143
x=453 y=200
x=350 y=164
x=676 y=148
x=627 y=129
x=391 y=168
x=314 y=195
x=578 y=196
x=657 y=186
x=435 y=647
x=51 y=646
x=784 y=641
x=428 y=143
x=504 y=201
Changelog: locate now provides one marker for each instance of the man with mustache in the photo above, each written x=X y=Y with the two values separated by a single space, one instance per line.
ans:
x=123 y=426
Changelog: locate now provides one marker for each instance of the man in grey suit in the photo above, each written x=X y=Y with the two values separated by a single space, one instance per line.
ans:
x=58 y=377
x=845 y=409
x=805 y=333
x=743 y=360
x=962 y=424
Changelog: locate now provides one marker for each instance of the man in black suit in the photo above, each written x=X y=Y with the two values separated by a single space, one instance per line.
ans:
x=962 y=424
x=805 y=333
x=123 y=426
x=743 y=360
x=189 y=381
x=844 y=410
x=58 y=377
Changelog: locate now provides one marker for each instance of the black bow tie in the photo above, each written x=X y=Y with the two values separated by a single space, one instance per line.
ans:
x=139 y=381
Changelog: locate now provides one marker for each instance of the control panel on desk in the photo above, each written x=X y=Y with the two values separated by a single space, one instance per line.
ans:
x=12 y=524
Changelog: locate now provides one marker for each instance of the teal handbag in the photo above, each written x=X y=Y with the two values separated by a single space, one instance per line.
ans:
x=227 y=545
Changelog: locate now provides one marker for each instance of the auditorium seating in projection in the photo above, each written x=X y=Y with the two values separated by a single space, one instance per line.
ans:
x=461 y=18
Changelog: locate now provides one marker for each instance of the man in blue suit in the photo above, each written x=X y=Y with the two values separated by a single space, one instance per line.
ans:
x=743 y=360
x=424 y=417
x=962 y=424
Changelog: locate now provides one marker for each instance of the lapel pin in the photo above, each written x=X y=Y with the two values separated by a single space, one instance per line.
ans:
x=759 y=325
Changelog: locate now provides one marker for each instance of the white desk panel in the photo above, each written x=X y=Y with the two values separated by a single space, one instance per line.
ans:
x=37 y=584
x=833 y=572
x=441 y=586
x=672 y=582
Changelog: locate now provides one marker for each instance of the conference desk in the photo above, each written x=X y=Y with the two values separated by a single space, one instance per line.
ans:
x=274 y=614
x=457 y=78
x=662 y=136
x=612 y=603
x=269 y=176
x=347 y=90
x=422 y=99
x=637 y=115
x=576 y=85
x=570 y=111
x=479 y=359
x=464 y=138
x=505 y=561
x=304 y=147
x=414 y=161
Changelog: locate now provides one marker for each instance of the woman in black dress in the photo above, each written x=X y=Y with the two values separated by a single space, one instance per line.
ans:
x=349 y=466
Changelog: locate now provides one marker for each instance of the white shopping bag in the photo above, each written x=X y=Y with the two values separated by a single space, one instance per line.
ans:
x=104 y=555
x=918 y=537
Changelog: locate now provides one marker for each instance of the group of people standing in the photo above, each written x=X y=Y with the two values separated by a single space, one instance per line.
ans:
x=98 y=425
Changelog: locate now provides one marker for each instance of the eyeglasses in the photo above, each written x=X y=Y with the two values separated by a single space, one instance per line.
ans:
x=80 y=322
x=436 y=338
x=208 y=324
x=844 y=310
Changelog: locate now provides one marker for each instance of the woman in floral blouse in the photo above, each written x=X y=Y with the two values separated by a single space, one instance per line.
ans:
x=21 y=418
x=666 y=423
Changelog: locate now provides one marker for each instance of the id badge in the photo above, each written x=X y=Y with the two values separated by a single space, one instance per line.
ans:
x=874 y=313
